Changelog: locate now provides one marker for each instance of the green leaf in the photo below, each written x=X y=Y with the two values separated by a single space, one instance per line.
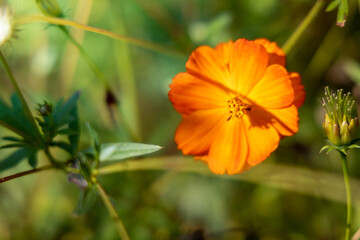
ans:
x=61 y=114
x=74 y=126
x=342 y=13
x=120 y=151
x=14 y=118
x=95 y=143
x=12 y=139
x=33 y=159
x=332 y=6
x=86 y=201
x=12 y=145
x=14 y=159
x=61 y=144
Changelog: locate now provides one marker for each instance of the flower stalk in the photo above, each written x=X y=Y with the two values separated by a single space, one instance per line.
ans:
x=348 y=194
x=20 y=94
x=110 y=207
x=290 y=43
x=65 y=22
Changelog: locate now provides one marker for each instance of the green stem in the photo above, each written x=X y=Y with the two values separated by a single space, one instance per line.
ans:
x=348 y=194
x=53 y=161
x=289 y=44
x=65 y=22
x=19 y=93
x=115 y=217
x=86 y=57
x=28 y=172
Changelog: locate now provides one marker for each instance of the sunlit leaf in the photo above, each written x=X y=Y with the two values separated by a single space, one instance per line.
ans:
x=119 y=151
x=332 y=6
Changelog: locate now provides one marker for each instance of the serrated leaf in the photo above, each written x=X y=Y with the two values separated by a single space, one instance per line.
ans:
x=120 y=151
x=14 y=159
x=332 y=6
x=14 y=118
x=62 y=111
x=86 y=201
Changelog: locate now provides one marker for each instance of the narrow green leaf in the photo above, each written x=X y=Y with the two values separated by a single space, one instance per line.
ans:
x=342 y=13
x=12 y=145
x=74 y=126
x=14 y=159
x=86 y=201
x=95 y=143
x=33 y=159
x=12 y=139
x=332 y=6
x=67 y=131
x=120 y=151
x=62 y=112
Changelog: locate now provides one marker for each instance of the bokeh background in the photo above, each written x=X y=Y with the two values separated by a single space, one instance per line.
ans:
x=172 y=204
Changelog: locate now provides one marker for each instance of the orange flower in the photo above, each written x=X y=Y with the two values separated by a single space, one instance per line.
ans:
x=236 y=102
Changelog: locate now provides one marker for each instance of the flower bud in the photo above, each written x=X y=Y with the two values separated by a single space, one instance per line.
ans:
x=340 y=126
x=50 y=8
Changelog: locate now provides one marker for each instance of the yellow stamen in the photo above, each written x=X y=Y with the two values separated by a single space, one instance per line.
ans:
x=237 y=108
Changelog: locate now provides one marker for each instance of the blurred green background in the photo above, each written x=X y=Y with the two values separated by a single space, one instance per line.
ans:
x=173 y=205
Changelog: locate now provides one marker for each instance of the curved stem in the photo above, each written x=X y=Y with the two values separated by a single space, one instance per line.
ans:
x=289 y=44
x=348 y=194
x=65 y=22
x=86 y=57
x=19 y=93
x=28 y=172
x=115 y=217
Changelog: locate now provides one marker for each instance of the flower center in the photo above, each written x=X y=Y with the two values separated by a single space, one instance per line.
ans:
x=237 y=108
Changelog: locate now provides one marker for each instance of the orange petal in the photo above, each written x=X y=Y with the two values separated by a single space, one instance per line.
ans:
x=262 y=139
x=190 y=94
x=229 y=149
x=274 y=90
x=276 y=54
x=207 y=64
x=284 y=120
x=247 y=64
x=224 y=50
x=196 y=132
x=299 y=93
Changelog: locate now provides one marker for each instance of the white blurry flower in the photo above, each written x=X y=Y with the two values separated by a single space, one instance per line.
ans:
x=5 y=24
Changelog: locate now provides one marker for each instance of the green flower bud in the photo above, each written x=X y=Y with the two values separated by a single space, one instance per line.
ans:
x=340 y=125
x=50 y=8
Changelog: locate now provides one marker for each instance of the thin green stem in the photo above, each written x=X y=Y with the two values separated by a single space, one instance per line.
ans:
x=19 y=93
x=348 y=194
x=86 y=57
x=115 y=217
x=290 y=43
x=53 y=161
x=65 y=22
x=28 y=172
